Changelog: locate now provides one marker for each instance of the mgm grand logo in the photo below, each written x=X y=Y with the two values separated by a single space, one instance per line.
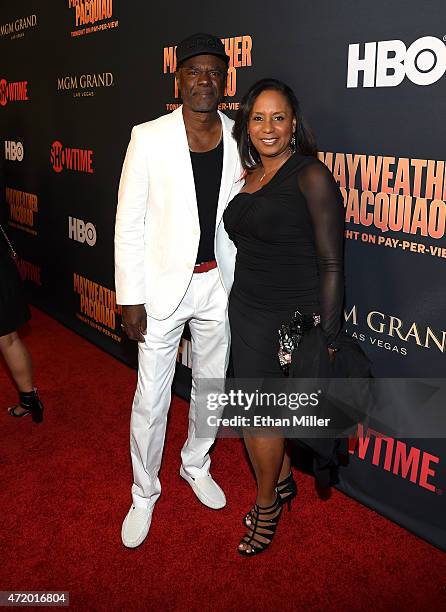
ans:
x=392 y=333
x=85 y=84
x=17 y=27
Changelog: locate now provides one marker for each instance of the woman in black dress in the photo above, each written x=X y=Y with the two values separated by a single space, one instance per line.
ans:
x=14 y=312
x=288 y=225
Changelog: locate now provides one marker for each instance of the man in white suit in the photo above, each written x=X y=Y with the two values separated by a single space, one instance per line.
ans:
x=174 y=263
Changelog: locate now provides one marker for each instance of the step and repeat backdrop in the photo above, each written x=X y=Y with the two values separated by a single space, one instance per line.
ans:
x=76 y=75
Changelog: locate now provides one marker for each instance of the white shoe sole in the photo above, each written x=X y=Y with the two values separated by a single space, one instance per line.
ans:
x=207 y=501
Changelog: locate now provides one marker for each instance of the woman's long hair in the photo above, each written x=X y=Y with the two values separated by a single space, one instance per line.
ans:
x=305 y=141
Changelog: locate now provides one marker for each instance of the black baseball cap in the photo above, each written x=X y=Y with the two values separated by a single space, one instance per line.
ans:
x=200 y=44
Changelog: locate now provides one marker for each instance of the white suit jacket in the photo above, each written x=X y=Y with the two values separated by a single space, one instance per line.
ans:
x=157 y=226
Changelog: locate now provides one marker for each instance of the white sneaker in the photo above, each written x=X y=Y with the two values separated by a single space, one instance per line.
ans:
x=136 y=526
x=206 y=489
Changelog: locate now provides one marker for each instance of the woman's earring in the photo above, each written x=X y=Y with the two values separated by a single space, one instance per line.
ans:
x=293 y=142
x=249 y=146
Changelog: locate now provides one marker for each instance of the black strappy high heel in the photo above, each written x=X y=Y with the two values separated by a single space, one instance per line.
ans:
x=32 y=405
x=287 y=490
x=262 y=529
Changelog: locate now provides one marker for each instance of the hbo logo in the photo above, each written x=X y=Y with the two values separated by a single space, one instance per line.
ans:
x=81 y=232
x=386 y=63
x=14 y=150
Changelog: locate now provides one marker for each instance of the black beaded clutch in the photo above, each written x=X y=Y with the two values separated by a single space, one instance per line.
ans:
x=290 y=335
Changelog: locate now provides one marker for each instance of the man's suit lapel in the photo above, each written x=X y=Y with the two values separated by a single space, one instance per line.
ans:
x=181 y=162
x=229 y=166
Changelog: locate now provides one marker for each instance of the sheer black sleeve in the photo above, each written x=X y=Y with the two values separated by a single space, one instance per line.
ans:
x=325 y=205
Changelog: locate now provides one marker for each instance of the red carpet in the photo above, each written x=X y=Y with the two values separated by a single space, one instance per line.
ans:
x=66 y=488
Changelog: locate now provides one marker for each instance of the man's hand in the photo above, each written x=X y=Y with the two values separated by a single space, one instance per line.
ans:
x=134 y=321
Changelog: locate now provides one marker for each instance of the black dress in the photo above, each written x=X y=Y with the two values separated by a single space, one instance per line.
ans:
x=289 y=237
x=14 y=311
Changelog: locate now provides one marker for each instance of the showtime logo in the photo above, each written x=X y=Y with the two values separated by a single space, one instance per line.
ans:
x=13 y=92
x=81 y=232
x=402 y=460
x=386 y=63
x=14 y=150
x=77 y=160
x=29 y=271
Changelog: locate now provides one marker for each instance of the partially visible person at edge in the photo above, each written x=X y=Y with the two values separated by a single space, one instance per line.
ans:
x=287 y=224
x=174 y=264
x=14 y=313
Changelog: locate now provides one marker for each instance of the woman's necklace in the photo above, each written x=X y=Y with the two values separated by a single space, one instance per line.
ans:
x=275 y=169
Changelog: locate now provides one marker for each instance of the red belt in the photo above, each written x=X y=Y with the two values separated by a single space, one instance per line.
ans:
x=205 y=266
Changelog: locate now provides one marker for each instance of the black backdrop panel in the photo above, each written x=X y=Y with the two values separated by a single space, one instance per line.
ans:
x=91 y=70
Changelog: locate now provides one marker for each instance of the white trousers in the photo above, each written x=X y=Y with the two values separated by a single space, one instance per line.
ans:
x=205 y=307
